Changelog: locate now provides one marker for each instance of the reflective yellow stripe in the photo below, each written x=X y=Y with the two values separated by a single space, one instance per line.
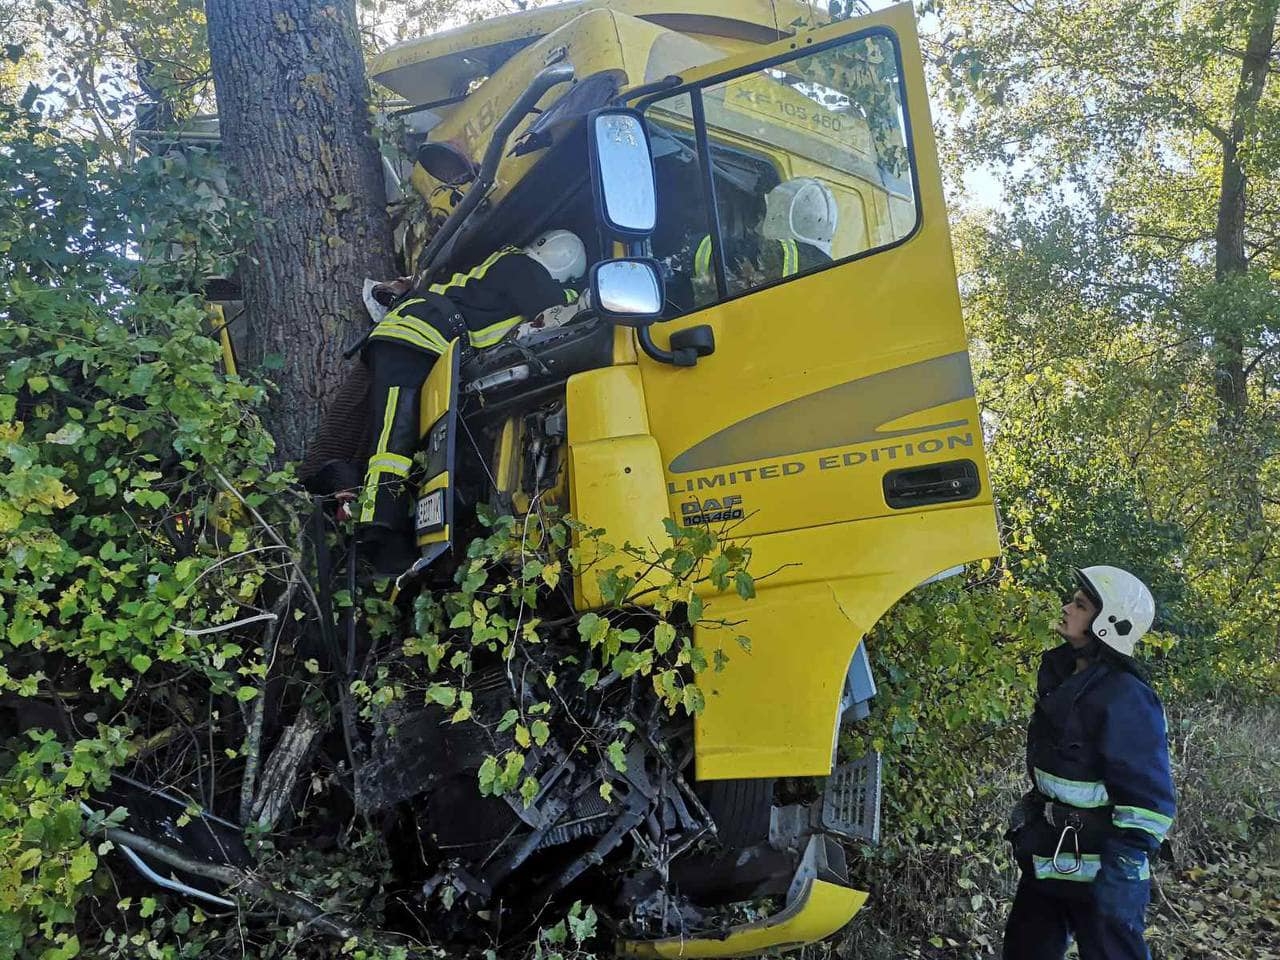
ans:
x=374 y=474
x=388 y=417
x=1086 y=869
x=702 y=259
x=479 y=272
x=570 y=295
x=493 y=333
x=419 y=328
x=1140 y=818
x=1089 y=866
x=475 y=273
x=396 y=319
x=1077 y=793
x=790 y=258
x=395 y=312
x=424 y=327
x=394 y=331
x=391 y=463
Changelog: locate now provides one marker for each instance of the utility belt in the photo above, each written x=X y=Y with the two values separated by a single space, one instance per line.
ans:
x=1068 y=839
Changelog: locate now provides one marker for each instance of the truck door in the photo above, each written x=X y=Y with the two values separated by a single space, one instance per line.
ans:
x=802 y=220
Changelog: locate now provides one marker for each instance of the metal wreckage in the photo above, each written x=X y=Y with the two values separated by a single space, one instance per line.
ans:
x=821 y=410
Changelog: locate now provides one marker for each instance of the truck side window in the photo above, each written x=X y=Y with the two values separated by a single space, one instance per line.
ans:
x=782 y=170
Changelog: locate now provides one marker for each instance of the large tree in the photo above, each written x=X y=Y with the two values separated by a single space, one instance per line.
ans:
x=293 y=105
x=1153 y=115
x=1125 y=296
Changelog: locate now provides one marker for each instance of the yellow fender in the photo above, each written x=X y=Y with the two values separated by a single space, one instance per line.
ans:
x=820 y=910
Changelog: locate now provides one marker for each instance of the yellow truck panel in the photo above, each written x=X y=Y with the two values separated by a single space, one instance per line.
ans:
x=821 y=909
x=773 y=710
x=444 y=65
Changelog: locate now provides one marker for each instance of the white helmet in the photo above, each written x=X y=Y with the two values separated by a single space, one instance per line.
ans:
x=561 y=252
x=801 y=209
x=1125 y=606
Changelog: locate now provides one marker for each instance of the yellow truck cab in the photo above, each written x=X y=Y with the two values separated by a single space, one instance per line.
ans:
x=775 y=349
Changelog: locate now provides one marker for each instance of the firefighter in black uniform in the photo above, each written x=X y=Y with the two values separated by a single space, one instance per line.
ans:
x=479 y=307
x=1103 y=796
x=792 y=234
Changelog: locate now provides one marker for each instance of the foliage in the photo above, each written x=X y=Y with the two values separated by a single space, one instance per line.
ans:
x=115 y=431
x=955 y=668
x=946 y=895
x=150 y=571
x=508 y=586
x=105 y=68
x=1099 y=319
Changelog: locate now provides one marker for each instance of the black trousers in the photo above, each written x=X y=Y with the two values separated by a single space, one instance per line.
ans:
x=385 y=517
x=1041 y=926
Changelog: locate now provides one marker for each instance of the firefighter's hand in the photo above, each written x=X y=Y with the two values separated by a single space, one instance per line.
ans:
x=346 y=500
x=1123 y=887
x=1023 y=811
x=389 y=291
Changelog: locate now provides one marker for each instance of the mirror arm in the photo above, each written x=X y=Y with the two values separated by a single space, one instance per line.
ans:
x=655 y=86
x=677 y=358
x=543 y=81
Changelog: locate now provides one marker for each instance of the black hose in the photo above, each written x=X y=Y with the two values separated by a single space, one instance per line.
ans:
x=543 y=81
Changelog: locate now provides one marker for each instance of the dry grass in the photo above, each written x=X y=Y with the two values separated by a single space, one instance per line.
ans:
x=1222 y=899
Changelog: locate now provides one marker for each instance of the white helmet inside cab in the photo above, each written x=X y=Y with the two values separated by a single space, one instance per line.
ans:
x=561 y=252
x=1126 y=608
x=801 y=209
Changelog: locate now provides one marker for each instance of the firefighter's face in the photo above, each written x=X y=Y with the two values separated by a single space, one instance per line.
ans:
x=1077 y=614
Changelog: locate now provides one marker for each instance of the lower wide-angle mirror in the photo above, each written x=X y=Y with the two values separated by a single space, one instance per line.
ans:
x=627 y=291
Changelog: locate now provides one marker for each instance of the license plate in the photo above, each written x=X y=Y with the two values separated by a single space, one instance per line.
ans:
x=430 y=513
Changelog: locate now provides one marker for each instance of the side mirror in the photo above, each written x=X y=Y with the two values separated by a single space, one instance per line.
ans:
x=627 y=292
x=622 y=172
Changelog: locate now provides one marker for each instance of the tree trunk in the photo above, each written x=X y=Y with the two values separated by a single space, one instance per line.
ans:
x=1231 y=385
x=1230 y=258
x=292 y=101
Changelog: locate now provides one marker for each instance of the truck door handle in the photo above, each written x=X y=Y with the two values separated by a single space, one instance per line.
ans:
x=935 y=483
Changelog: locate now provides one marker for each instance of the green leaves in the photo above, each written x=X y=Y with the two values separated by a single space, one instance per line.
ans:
x=617 y=755
x=442 y=694
x=541 y=731
x=664 y=635
x=593 y=628
x=497 y=778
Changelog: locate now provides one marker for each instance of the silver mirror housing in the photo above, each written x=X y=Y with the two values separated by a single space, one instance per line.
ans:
x=627 y=292
x=622 y=172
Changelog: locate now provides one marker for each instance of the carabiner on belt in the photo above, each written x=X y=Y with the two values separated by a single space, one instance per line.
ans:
x=1075 y=839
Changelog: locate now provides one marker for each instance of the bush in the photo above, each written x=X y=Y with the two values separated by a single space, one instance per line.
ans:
x=116 y=432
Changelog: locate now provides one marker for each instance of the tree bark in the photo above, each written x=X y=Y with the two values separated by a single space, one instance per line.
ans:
x=1230 y=257
x=292 y=102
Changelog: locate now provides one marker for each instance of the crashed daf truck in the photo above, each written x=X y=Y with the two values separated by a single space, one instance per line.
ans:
x=773 y=349
x=820 y=409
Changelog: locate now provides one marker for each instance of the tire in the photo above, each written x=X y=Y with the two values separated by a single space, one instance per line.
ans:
x=740 y=809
